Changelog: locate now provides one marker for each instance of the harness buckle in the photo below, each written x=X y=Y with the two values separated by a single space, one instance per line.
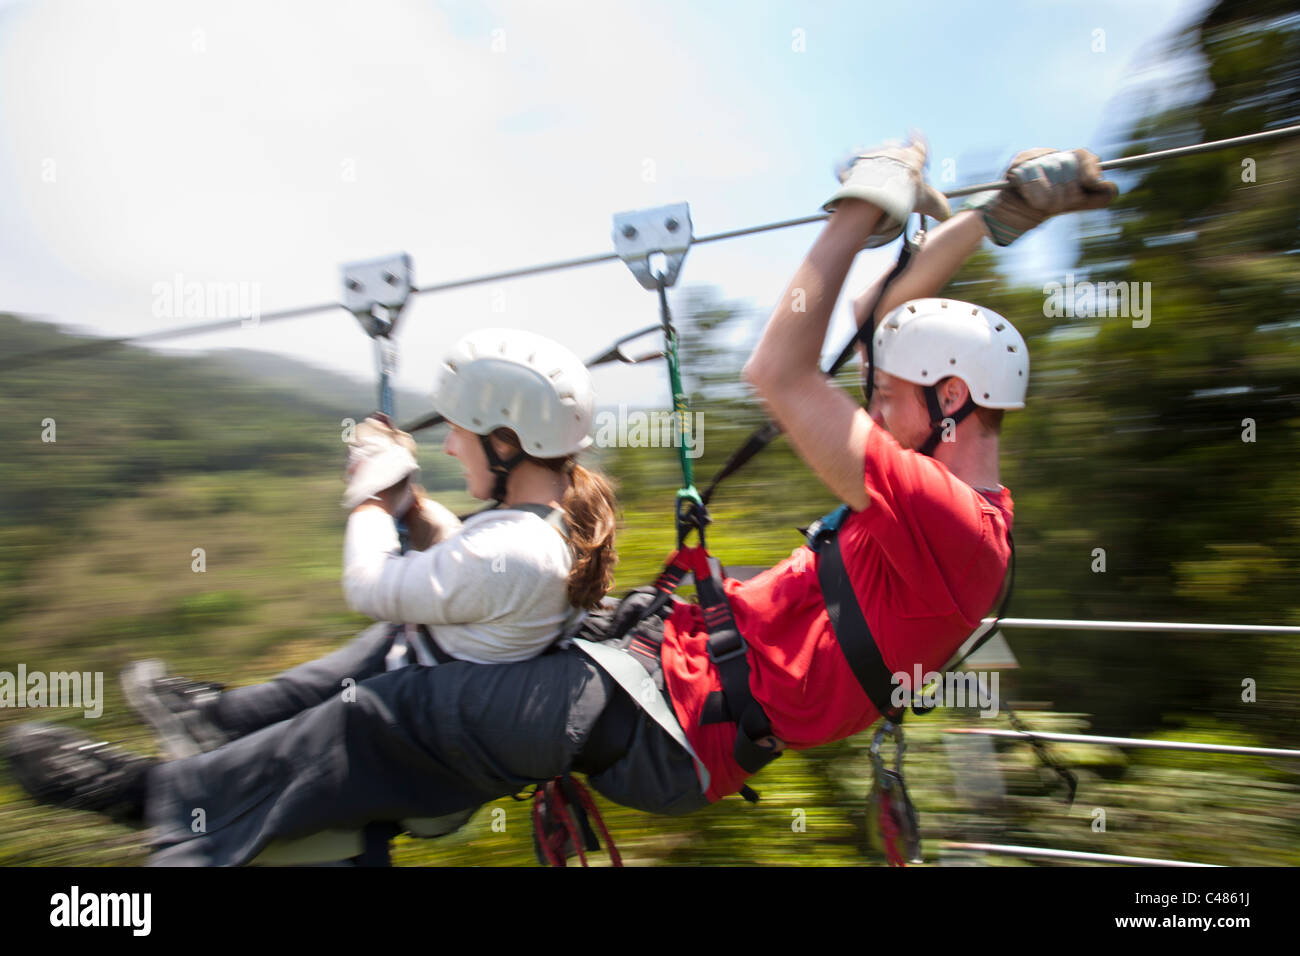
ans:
x=738 y=651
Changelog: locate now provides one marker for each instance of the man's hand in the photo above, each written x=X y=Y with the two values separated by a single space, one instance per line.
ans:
x=379 y=457
x=1044 y=183
x=892 y=177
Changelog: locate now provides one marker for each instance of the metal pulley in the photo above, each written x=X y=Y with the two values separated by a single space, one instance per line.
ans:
x=642 y=233
x=376 y=290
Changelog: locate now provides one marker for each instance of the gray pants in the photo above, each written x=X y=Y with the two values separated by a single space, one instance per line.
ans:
x=415 y=742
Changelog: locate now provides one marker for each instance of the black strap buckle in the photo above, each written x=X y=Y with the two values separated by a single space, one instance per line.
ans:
x=728 y=637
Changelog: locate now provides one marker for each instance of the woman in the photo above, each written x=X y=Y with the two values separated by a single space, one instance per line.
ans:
x=502 y=586
x=499 y=588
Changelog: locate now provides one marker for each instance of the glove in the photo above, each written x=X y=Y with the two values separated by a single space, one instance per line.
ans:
x=1044 y=183
x=379 y=456
x=893 y=178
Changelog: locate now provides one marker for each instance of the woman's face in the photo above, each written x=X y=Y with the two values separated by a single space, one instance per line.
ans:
x=466 y=448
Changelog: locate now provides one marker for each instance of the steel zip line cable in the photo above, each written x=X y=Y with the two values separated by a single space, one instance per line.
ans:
x=218 y=325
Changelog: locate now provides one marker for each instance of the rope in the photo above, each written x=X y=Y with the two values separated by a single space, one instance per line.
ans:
x=589 y=804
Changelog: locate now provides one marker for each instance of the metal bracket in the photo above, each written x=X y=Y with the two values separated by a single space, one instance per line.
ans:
x=644 y=232
x=377 y=284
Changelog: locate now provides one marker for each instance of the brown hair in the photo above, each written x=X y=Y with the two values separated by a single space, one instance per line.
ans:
x=990 y=418
x=589 y=513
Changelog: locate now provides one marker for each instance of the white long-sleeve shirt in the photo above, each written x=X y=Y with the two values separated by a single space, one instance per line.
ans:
x=494 y=591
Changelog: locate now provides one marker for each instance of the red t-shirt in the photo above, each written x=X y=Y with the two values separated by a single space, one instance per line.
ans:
x=926 y=559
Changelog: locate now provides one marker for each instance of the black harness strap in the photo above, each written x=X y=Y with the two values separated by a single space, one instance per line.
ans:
x=727 y=652
x=552 y=516
x=766 y=434
x=850 y=626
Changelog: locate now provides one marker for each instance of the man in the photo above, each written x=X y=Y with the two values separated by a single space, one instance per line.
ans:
x=923 y=549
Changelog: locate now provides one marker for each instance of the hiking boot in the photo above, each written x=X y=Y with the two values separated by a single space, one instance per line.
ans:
x=175 y=707
x=59 y=766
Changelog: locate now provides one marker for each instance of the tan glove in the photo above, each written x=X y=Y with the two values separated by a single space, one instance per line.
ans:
x=379 y=456
x=1044 y=183
x=891 y=177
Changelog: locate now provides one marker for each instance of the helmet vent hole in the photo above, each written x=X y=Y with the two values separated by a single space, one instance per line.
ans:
x=999 y=327
x=1011 y=348
x=477 y=422
x=912 y=309
x=556 y=373
x=943 y=304
x=537 y=444
x=924 y=373
x=986 y=394
x=952 y=361
x=506 y=412
x=451 y=366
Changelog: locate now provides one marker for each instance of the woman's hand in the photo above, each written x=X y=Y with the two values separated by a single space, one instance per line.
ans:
x=380 y=457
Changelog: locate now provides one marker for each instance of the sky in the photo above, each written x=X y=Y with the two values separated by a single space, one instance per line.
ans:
x=260 y=145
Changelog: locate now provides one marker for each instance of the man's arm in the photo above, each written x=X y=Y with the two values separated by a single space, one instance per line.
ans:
x=826 y=427
x=945 y=249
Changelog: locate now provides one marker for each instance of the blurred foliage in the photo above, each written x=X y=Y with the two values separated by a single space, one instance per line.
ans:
x=1132 y=442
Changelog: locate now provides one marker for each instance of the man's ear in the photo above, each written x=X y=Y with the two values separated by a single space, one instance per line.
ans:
x=953 y=395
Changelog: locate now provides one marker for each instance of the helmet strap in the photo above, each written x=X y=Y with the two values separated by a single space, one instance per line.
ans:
x=500 y=467
x=937 y=417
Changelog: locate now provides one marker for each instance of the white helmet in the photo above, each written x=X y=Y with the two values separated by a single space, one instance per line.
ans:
x=506 y=378
x=926 y=340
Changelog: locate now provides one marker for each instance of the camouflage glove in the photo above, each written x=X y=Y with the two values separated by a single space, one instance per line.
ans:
x=1044 y=183
x=891 y=177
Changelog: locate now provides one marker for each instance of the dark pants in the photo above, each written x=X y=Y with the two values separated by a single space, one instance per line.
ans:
x=242 y=710
x=415 y=742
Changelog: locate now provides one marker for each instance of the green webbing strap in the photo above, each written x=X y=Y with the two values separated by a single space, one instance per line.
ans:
x=691 y=513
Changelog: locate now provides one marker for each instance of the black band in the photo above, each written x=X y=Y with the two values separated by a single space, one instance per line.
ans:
x=851 y=631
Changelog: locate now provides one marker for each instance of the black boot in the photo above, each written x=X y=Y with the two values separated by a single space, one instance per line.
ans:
x=57 y=765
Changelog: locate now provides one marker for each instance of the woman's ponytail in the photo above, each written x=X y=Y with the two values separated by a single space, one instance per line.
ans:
x=589 y=513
